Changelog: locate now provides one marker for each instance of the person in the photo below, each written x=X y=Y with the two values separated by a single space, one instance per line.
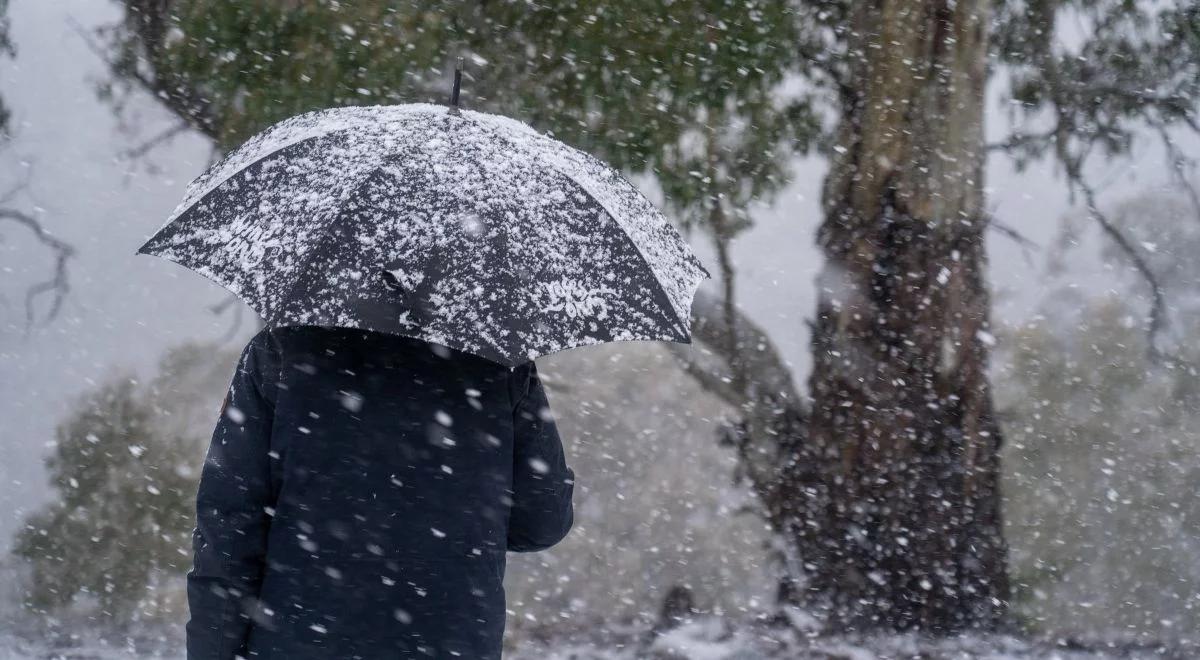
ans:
x=359 y=495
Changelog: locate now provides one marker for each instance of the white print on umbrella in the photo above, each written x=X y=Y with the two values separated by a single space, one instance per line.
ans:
x=577 y=300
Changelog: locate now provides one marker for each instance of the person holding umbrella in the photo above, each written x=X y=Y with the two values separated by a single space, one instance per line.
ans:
x=386 y=438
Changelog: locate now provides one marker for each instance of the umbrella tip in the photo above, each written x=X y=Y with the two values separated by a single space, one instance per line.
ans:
x=458 y=71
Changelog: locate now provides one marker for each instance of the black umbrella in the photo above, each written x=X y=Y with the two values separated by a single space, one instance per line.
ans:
x=460 y=228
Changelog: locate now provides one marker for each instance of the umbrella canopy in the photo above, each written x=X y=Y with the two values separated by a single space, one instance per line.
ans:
x=456 y=227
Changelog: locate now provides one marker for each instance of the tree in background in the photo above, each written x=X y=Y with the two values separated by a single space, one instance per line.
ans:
x=1103 y=451
x=112 y=545
x=1102 y=469
x=883 y=488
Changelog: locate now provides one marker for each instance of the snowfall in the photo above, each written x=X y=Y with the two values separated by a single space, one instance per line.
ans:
x=704 y=638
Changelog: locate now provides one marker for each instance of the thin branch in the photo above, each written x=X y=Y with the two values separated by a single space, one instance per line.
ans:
x=58 y=284
x=1179 y=164
x=768 y=373
x=1157 y=315
x=722 y=235
x=145 y=147
x=21 y=187
x=1190 y=121
x=231 y=302
x=1026 y=244
x=1020 y=140
x=1158 y=307
x=223 y=304
x=1073 y=166
x=99 y=52
x=191 y=108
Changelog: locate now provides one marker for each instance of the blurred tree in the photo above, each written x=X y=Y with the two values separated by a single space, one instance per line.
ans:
x=1118 y=73
x=1102 y=467
x=107 y=456
x=112 y=545
x=885 y=492
x=1102 y=451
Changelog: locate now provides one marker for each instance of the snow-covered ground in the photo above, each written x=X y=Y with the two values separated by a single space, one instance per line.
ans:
x=702 y=639
x=717 y=639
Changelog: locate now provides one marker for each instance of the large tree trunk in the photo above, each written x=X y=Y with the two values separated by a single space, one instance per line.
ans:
x=885 y=494
x=899 y=514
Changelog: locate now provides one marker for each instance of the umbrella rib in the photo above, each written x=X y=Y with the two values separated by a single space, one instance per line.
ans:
x=258 y=158
x=179 y=213
x=321 y=235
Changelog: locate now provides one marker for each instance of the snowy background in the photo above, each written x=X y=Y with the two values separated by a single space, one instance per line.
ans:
x=657 y=505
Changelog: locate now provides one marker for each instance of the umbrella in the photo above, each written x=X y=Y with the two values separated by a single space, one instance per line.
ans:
x=461 y=228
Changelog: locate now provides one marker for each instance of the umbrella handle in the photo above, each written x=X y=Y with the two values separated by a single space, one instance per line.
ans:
x=458 y=71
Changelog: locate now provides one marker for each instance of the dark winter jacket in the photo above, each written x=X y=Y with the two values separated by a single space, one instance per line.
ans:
x=359 y=496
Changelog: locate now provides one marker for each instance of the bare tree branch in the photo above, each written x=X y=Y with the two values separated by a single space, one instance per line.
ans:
x=58 y=284
x=231 y=302
x=1073 y=166
x=184 y=102
x=1157 y=299
x=145 y=147
x=1011 y=232
x=722 y=235
x=1019 y=140
x=1179 y=164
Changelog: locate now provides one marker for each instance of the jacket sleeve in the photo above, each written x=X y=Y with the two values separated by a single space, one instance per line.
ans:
x=233 y=508
x=541 y=512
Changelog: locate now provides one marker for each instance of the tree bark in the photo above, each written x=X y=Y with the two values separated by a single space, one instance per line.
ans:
x=894 y=491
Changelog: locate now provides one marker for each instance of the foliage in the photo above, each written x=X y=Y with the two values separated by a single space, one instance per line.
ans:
x=1101 y=460
x=689 y=92
x=709 y=98
x=114 y=542
x=232 y=68
x=1099 y=467
x=1100 y=70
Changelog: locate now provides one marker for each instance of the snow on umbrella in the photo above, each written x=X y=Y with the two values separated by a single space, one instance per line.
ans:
x=460 y=228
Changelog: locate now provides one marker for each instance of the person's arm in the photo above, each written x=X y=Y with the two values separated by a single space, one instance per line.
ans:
x=233 y=507
x=542 y=483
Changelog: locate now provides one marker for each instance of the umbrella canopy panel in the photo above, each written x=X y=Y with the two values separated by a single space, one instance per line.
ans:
x=468 y=230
